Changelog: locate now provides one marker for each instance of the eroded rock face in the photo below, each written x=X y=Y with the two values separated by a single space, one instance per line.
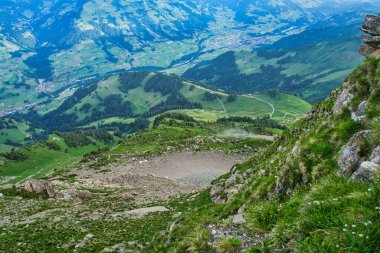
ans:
x=371 y=26
x=349 y=157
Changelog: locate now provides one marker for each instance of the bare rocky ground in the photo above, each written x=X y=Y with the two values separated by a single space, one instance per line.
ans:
x=131 y=188
x=155 y=178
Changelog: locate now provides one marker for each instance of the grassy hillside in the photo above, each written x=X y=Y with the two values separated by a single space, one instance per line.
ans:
x=15 y=132
x=117 y=102
x=292 y=195
x=59 y=152
x=121 y=98
x=176 y=131
x=172 y=132
x=297 y=196
x=167 y=132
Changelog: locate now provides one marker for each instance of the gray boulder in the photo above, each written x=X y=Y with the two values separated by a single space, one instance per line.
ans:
x=34 y=186
x=349 y=156
x=367 y=172
x=38 y=187
x=375 y=156
x=359 y=114
x=74 y=194
x=238 y=219
x=218 y=200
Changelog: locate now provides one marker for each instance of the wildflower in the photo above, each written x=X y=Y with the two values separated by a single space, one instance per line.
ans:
x=337 y=246
x=353 y=233
x=345 y=225
x=360 y=235
x=353 y=225
x=344 y=229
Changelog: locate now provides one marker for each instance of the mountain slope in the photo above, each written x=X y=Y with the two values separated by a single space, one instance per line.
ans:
x=147 y=94
x=315 y=189
x=128 y=102
x=310 y=63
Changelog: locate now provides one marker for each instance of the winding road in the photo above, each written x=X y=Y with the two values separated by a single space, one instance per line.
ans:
x=248 y=96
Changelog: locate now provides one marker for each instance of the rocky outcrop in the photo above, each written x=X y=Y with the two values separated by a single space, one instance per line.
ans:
x=38 y=187
x=350 y=155
x=354 y=159
x=238 y=218
x=359 y=113
x=375 y=156
x=369 y=170
x=343 y=99
x=46 y=189
x=226 y=189
x=371 y=26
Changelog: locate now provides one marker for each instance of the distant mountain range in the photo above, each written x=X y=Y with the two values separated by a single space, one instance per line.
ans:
x=48 y=45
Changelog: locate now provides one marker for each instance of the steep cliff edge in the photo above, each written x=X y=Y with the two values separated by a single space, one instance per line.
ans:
x=316 y=189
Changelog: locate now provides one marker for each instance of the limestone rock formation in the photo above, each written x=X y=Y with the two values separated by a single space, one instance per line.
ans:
x=226 y=189
x=371 y=26
x=350 y=155
x=47 y=189
x=369 y=170
x=38 y=187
